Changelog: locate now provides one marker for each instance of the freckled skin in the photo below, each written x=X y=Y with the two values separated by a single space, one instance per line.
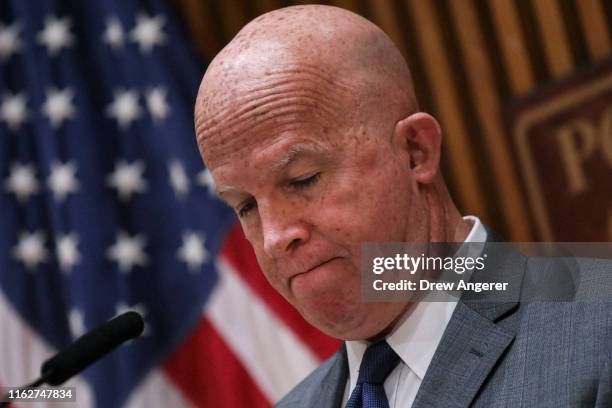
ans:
x=308 y=123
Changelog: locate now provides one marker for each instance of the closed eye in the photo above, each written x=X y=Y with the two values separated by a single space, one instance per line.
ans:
x=306 y=182
x=246 y=207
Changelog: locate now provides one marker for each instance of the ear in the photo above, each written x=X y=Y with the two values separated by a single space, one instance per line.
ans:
x=420 y=135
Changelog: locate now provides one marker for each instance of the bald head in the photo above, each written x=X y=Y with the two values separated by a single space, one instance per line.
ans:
x=303 y=62
x=307 y=122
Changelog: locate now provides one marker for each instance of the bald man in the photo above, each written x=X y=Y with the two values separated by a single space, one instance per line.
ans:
x=310 y=127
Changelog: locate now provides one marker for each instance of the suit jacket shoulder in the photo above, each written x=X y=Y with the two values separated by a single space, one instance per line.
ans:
x=530 y=353
x=321 y=388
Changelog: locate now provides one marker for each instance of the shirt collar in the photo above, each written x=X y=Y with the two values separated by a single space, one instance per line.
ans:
x=478 y=233
x=417 y=335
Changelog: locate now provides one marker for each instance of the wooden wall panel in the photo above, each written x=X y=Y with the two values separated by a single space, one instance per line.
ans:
x=470 y=59
x=482 y=84
x=554 y=37
x=438 y=69
x=514 y=51
x=592 y=17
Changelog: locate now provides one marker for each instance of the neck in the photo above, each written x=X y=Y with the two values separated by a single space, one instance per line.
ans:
x=445 y=222
x=445 y=225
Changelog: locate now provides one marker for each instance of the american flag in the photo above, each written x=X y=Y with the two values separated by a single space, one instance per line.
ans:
x=105 y=206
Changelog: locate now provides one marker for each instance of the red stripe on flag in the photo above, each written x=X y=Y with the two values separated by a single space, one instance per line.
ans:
x=10 y=404
x=239 y=253
x=210 y=375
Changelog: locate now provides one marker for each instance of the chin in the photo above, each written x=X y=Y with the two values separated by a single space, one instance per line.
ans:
x=362 y=321
x=346 y=321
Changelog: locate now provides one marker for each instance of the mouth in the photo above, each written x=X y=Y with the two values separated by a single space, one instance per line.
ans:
x=312 y=269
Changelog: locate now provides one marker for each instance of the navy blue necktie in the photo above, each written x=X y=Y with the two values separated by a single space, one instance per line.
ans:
x=378 y=362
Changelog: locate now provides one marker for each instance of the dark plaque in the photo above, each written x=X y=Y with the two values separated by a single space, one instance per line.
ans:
x=563 y=144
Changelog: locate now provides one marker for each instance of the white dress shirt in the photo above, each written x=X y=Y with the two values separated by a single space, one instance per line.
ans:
x=414 y=339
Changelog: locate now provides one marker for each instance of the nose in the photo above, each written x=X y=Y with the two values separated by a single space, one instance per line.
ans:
x=283 y=230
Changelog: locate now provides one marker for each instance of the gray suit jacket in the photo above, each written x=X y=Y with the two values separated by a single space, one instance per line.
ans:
x=505 y=354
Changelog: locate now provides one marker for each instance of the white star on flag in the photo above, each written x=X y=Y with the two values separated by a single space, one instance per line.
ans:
x=67 y=252
x=9 y=40
x=205 y=179
x=13 y=110
x=62 y=180
x=193 y=252
x=114 y=34
x=124 y=108
x=139 y=308
x=22 y=181
x=56 y=34
x=30 y=249
x=128 y=179
x=148 y=32
x=128 y=251
x=157 y=104
x=76 y=321
x=58 y=106
x=178 y=179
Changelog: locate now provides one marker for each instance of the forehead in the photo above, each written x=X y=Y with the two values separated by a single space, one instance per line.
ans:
x=302 y=99
x=276 y=155
x=276 y=145
x=272 y=163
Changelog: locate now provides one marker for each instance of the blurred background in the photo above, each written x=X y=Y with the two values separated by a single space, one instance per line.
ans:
x=105 y=205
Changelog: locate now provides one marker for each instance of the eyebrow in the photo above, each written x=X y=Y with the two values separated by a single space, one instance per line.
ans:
x=294 y=153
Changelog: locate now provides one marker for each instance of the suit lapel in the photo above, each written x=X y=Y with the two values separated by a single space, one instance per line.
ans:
x=332 y=384
x=475 y=339
x=467 y=353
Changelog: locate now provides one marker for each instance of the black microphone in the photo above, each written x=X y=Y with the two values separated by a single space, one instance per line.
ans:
x=88 y=348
